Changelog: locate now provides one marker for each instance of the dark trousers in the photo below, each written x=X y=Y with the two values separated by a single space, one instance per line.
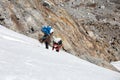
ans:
x=47 y=45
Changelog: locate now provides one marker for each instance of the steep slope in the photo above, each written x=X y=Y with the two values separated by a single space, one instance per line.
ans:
x=90 y=29
x=23 y=58
x=99 y=22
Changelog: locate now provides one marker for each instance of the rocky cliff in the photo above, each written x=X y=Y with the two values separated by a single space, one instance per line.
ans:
x=90 y=29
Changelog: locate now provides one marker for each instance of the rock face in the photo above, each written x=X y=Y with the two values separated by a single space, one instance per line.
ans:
x=90 y=29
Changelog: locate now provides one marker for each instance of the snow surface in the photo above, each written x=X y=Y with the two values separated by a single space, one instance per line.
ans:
x=24 y=58
x=116 y=64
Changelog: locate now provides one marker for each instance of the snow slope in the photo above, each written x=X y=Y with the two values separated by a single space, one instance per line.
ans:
x=24 y=58
x=116 y=64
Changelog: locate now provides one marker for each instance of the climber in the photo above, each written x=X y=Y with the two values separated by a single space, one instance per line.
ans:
x=48 y=32
x=57 y=43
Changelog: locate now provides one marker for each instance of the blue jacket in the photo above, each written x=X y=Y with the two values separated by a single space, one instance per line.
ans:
x=46 y=29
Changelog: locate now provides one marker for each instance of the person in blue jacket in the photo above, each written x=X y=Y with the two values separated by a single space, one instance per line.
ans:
x=48 y=32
